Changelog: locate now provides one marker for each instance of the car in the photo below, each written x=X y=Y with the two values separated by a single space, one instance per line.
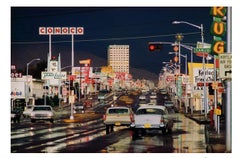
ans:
x=88 y=103
x=152 y=117
x=163 y=91
x=168 y=103
x=27 y=111
x=117 y=116
x=79 y=107
x=42 y=112
x=153 y=96
x=103 y=94
x=142 y=97
x=142 y=103
x=15 y=116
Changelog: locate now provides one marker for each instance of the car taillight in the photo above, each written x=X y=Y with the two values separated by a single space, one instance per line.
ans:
x=162 y=120
x=132 y=117
x=104 y=117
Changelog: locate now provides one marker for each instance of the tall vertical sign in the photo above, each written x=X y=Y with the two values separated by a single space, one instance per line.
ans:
x=218 y=29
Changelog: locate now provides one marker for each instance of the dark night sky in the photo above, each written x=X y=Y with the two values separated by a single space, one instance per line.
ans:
x=103 y=26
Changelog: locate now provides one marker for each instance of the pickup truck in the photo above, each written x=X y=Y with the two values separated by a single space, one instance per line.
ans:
x=152 y=117
x=117 y=116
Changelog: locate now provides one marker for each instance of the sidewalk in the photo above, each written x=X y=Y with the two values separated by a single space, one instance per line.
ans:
x=215 y=142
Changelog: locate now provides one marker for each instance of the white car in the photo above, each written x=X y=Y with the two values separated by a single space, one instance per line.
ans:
x=142 y=97
x=168 y=103
x=117 y=116
x=27 y=111
x=152 y=117
x=42 y=112
x=153 y=96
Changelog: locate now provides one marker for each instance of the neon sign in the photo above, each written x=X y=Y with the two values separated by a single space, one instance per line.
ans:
x=218 y=29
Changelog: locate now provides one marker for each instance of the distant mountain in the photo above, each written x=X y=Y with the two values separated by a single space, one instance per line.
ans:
x=21 y=55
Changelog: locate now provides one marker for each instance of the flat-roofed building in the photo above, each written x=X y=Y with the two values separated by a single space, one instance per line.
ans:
x=118 y=58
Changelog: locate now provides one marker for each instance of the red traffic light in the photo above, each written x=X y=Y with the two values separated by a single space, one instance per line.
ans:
x=154 y=46
x=151 y=47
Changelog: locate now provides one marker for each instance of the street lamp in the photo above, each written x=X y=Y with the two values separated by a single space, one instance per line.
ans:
x=31 y=62
x=203 y=60
x=27 y=88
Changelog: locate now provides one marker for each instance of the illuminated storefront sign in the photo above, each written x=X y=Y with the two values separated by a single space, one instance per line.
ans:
x=197 y=75
x=53 y=75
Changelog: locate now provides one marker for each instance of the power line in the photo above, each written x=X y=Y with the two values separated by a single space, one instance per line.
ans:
x=105 y=39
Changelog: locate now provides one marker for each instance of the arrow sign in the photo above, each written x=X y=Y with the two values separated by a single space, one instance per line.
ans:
x=228 y=72
x=225 y=65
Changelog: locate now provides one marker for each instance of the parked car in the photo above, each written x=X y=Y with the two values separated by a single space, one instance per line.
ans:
x=79 y=107
x=117 y=116
x=27 y=111
x=152 y=117
x=42 y=112
x=15 y=116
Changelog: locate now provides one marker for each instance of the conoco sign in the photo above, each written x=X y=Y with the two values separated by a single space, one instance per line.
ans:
x=61 y=30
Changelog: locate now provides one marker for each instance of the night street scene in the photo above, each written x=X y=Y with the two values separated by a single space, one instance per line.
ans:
x=121 y=80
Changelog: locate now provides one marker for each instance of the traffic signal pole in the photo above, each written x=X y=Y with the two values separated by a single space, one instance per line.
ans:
x=229 y=86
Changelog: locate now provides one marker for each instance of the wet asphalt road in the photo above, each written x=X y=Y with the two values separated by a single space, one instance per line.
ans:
x=90 y=137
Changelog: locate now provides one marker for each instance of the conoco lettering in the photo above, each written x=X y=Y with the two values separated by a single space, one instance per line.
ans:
x=61 y=30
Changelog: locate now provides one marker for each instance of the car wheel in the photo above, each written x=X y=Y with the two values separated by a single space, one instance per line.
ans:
x=107 y=129
x=33 y=121
x=169 y=130
x=111 y=128
x=143 y=132
x=164 y=131
x=136 y=132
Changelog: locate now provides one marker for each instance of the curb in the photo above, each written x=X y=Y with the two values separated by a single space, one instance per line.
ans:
x=199 y=121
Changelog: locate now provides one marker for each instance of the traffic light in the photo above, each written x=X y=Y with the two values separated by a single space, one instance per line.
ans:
x=154 y=46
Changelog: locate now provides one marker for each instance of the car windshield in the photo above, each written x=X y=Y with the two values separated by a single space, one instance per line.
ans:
x=118 y=111
x=150 y=111
x=42 y=108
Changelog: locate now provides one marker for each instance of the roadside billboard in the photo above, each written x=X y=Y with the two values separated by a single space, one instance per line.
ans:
x=18 y=90
x=197 y=74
